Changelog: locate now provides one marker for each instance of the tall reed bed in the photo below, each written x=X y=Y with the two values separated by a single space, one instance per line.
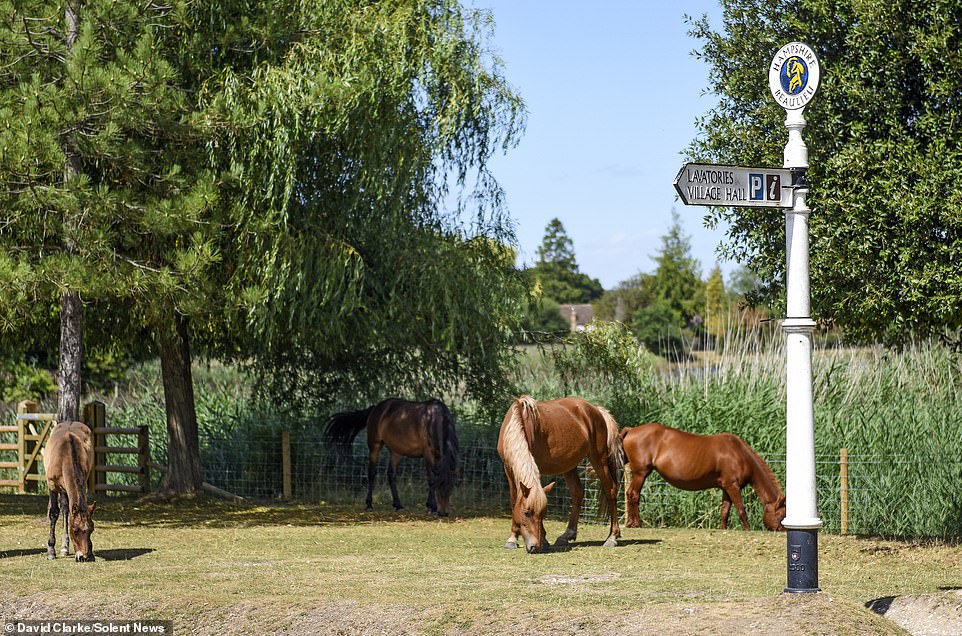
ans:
x=899 y=414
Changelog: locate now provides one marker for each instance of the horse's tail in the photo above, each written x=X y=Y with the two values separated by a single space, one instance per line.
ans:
x=445 y=439
x=342 y=428
x=616 y=458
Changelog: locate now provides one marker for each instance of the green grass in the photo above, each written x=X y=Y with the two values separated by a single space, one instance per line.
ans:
x=208 y=565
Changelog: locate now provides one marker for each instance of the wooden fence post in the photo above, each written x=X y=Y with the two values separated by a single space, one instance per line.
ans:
x=843 y=474
x=628 y=476
x=286 y=463
x=25 y=448
x=95 y=416
x=143 y=457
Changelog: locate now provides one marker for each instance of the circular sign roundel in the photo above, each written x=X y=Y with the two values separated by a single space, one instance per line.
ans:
x=793 y=75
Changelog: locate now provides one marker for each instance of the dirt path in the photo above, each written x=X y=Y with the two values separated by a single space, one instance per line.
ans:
x=815 y=615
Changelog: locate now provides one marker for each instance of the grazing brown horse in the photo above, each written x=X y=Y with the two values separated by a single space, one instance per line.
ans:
x=408 y=429
x=699 y=462
x=67 y=459
x=553 y=438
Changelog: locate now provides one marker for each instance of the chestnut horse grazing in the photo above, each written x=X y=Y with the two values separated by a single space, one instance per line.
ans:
x=553 y=438
x=408 y=429
x=68 y=458
x=699 y=462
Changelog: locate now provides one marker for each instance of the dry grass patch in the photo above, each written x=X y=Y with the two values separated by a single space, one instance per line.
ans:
x=219 y=568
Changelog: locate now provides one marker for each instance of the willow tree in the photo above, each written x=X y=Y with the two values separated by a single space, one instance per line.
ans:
x=352 y=280
x=885 y=148
x=263 y=182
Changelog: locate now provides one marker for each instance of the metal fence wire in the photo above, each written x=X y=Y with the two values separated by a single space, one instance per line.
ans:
x=893 y=495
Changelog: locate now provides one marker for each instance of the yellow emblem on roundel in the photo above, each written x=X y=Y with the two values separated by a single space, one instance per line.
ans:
x=794 y=69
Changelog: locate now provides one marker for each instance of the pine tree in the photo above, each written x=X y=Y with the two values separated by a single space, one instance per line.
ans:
x=557 y=268
x=677 y=275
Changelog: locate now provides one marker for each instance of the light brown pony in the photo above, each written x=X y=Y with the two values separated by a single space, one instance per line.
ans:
x=68 y=458
x=408 y=429
x=553 y=438
x=699 y=462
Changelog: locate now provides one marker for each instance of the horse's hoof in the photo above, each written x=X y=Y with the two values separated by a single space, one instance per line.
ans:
x=64 y=553
x=511 y=545
x=611 y=542
x=51 y=556
x=369 y=509
x=400 y=510
x=632 y=524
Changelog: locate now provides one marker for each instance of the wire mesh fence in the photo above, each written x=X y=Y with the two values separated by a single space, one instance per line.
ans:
x=894 y=495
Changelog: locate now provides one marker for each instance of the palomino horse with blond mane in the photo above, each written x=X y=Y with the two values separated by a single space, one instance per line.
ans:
x=553 y=438
x=699 y=462
x=68 y=458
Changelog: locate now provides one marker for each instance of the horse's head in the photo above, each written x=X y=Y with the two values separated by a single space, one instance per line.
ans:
x=81 y=526
x=774 y=514
x=529 y=511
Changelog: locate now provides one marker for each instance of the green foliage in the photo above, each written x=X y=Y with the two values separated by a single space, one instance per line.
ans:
x=606 y=363
x=626 y=298
x=543 y=320
x=21 y=380
x=664 y=309
x=658 y=326
x=556 y=270
x=883 y=138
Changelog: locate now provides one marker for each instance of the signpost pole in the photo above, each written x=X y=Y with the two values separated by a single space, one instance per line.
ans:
x=801 y=521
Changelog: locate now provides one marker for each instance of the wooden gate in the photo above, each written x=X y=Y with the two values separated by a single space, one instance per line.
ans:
x=32 y=428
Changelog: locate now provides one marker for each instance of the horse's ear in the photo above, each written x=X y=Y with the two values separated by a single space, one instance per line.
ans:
x=523 y=490
x=549 y=487
x=91 y=508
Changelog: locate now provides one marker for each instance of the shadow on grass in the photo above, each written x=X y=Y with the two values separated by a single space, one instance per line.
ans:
x=203 y=511
x=577 y=545
x=107 y=555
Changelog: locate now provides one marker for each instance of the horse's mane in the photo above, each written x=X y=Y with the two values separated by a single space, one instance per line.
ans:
x=518 y=455
x=79 y=475
x=763 y=470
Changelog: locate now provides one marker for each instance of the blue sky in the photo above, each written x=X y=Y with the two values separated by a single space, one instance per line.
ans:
x=613 y=93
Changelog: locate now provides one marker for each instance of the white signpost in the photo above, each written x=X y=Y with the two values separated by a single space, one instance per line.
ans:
x=793 y=79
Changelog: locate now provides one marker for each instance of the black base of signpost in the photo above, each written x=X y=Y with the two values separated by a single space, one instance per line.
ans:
x=802 y=561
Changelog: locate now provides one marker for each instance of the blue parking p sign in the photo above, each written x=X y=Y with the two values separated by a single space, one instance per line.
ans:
x=756 y=186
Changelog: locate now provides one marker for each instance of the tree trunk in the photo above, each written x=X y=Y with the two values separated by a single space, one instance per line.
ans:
x=71 y=310
x=184 y=474
x=71 y=356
